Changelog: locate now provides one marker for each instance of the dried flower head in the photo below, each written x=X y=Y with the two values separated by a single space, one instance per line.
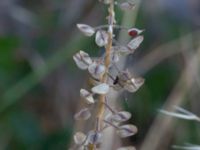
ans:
x=100 y=70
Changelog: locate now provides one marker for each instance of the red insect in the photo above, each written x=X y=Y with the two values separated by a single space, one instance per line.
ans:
x=134 y=32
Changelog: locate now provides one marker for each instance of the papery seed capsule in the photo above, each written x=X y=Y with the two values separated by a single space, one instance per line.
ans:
x=79 y=138
x=83 y=114
x=127 y=148
x=135 y=43
x=82 y=60
x=86 y=29
x=96 y=70
x=101 y=38
x=94 y=137
x=102 y=88
x=87 y=96
x=134 y=32
x=114 y=57
x=127 y=130
x=121 y=116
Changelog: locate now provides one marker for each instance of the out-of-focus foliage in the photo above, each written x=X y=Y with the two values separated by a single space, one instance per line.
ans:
x=39 y=82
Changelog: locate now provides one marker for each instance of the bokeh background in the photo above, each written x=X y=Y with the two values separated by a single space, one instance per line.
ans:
x=39 y=82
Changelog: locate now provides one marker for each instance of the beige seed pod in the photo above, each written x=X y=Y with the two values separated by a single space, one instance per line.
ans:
x=102 y=88
x=86 y=29
x=82 y=60
x=83 y=114
x=127 y=130
x=101 y=38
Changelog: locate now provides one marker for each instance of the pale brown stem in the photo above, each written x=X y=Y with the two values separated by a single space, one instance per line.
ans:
x=101 y=102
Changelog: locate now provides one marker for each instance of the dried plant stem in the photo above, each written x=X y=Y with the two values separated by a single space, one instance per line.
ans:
x=102 y=98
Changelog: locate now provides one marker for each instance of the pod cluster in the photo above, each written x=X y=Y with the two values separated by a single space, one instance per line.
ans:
x=121 y=80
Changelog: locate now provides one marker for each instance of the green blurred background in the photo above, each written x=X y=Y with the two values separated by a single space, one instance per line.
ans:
x=39 y=82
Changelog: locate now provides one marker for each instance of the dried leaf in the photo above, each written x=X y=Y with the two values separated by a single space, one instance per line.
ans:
x=182 y=114
x=86 y=29
x=127 y=130
x=135 y=43
x=101 y=38
x=187 y=147
x=96 y=70
x=82 y=60
x=83 y=114
x=102 y=88
x=87 y=96
x=79 y=138
x=121 y=116
x=94 y=137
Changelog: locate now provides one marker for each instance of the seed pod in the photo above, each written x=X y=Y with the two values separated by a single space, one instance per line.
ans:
x=94 y=137
x=135 y=43
x=79 y=138
x=82 y=60
x=121 y=116
x=127 y=130
x=134 y=84
x=102 y=88
x=87 y=96
x=114 y=57
x=129 y=5
x=96 y=70
x=134 y=32
x=127 y=148
x=101 y=38
x=83 y=114
x=86 y=29
x=108 y=117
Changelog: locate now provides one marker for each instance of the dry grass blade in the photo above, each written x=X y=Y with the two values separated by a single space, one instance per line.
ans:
x=162 y=124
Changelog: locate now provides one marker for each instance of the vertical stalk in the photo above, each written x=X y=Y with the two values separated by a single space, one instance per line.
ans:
x=108 y=47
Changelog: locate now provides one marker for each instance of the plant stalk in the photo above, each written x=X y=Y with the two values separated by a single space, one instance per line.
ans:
x=108 y=47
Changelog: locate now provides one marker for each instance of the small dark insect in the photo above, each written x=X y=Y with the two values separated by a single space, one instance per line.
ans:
x=133 y=33
x=116 y=80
